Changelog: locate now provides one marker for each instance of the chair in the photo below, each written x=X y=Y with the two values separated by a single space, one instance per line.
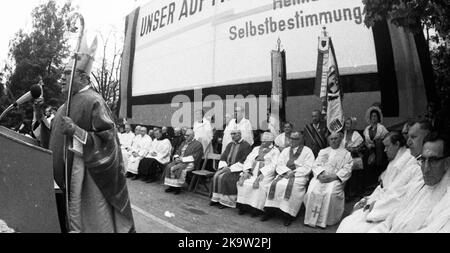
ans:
x=200 y=177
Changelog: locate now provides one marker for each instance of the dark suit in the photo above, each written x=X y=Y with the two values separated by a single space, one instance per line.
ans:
x=316 y=138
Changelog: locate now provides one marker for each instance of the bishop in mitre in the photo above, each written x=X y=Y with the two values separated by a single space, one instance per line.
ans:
x=98 y=194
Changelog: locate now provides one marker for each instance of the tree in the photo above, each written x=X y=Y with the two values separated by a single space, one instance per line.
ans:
x=42 y=52
x=418 y=16
x=107 y=75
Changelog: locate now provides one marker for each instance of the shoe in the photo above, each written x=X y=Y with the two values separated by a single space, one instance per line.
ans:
x=213 y=203
x=129 y=175
x=287 y=222
x=266 y=217
x=177 y=191
x=223 y=207
x=134 y=178
x=170 y=189
x=255 y=214
x=151 y=180
x=242 y=212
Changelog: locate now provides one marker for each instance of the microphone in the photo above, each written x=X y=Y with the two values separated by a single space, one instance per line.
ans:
x=34 y=93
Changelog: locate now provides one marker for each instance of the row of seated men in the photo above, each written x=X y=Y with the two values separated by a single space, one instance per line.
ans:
x=263 y=179
x=413 y=195
x=266 y=180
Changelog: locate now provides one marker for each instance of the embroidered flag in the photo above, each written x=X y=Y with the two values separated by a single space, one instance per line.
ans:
x=335 y=113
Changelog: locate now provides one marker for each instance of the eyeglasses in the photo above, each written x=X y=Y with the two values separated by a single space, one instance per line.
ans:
x=431 y=160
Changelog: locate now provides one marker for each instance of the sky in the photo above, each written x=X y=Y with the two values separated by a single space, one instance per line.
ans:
x=100 y=16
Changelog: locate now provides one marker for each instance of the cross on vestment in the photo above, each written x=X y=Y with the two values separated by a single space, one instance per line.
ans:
x=316 y=212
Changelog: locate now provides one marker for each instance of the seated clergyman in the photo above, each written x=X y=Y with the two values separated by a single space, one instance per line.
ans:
x=186 y=159
x=157 y=157
x=126 y=143
x=293 y=168
x=402 y=171
x=230 y=167
x=425 y=206
x=325 y=200
x=139 y=150
x=259 y=171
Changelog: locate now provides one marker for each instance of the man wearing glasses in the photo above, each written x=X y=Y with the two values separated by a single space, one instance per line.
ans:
x=402 y=171
x=425 y=208
x=293 y=168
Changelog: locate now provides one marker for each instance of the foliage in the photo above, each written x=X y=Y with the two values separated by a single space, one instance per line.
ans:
x=107 y=75
x=41 y=52
x=419 y=16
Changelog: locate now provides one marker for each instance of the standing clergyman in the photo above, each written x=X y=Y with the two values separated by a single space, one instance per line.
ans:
x=98 y=195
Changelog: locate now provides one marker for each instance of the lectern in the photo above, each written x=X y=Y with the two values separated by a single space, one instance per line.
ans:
x=27 y=191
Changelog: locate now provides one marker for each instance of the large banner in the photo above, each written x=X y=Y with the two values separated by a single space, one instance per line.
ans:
x=189 y=44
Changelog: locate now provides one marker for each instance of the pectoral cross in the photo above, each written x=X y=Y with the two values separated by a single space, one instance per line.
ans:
x=316 y=212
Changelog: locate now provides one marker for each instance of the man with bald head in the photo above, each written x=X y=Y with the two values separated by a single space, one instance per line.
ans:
x=230 y=167
x=187 y=158
x=325 y=200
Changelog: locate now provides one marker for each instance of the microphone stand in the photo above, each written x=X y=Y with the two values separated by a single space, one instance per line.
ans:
x=68 y=104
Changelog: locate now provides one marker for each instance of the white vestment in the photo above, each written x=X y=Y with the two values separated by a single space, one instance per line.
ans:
x=303 y=165
x=439 y=219
x=419 y=210
x=163 y=149
x=401 y=173
x=282 y=142
x=203 y=133
x=325 y=203
x=126 y=142
x=257 y=197
x=141 y=145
